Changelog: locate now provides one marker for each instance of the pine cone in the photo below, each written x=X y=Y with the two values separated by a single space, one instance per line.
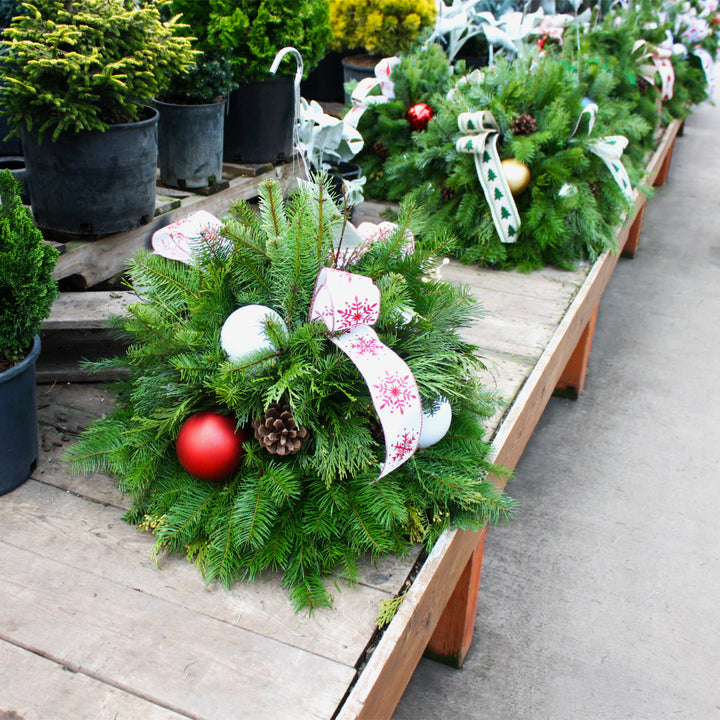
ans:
x=447 y=193
x=523 y=125
x=642 y=84
x=594 y=189
x=381 y=150
x=278 y=432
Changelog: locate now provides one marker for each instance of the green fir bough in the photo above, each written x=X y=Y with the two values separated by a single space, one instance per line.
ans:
x=319 y=510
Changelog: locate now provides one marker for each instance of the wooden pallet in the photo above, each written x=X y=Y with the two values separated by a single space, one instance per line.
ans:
x=81 y=592
x=90 y=262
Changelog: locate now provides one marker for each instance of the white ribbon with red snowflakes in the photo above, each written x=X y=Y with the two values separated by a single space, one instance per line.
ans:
x=372 y=90
x=708 y=66
x=179 y=240
x=349 y=304
x=661 y=64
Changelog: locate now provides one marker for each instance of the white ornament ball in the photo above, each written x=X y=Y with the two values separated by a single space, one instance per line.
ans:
x=435 y=423
x=244 y=332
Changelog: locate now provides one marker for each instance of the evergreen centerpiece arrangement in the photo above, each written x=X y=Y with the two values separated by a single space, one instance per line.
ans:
x=297 y=488
x=77 y=70
x=27 y=292
x=387 y=127
x=568 y=201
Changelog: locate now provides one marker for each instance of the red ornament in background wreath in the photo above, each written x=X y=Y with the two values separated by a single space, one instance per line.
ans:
x=209 y=447
x=419 y=116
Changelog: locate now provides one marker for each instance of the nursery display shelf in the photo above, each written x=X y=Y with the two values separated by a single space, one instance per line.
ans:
x=93 y=626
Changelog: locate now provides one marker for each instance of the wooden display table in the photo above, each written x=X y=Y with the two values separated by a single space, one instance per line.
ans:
x=81 y=591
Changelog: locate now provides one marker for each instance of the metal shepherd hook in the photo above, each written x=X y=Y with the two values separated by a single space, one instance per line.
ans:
x=298 y=78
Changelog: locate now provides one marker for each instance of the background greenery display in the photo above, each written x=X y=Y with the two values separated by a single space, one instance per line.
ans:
x=86 y=64
x=250 y=33
x=320 y=510
x=27 y=287
x=380 y=27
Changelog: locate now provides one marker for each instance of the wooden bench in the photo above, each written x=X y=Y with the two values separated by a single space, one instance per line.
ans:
x=81 y=591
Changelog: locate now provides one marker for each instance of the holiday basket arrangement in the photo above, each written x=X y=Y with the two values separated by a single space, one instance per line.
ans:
x=297 y=395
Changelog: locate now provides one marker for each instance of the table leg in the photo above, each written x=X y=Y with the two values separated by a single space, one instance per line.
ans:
x=451 y=639
x=572 y=380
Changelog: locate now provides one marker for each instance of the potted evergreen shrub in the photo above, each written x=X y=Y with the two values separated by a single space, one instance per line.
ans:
x=78 y=79
x=379 y=28
x=259 y=123
x=192 y=121
x=10 y=147
x=27 y=292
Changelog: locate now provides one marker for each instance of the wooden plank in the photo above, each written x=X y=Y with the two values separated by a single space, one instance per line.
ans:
x=35 y=688
x=97 y=260
x=64 y=528
x=87 y=310
x=179 y=659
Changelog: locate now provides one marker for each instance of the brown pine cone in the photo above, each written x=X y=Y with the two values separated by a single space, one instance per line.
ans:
x=447 y=193
x=381 y=150
x=278 y=432
x=642 y=84
x=594 y=189
x=523 y=125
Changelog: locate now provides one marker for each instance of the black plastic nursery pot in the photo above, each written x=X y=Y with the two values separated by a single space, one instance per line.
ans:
x=259 y=122
x=12 y=146
x=92 y=182
x=190 y=144
x=358 y=67
x=18 y=422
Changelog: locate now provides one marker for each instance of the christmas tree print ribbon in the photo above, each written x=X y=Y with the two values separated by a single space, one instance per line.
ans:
x=609 y=149
x=179 y=240
x=661 y=64
x=349 y=304
x=482 y=144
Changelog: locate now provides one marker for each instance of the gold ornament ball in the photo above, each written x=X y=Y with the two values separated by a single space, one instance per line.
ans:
x=517 y=175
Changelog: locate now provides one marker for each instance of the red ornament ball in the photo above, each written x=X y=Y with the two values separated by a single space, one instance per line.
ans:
x=209 y=447
x=419 y=116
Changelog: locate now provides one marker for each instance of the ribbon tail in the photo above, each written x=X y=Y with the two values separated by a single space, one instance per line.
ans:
x=609 y=151
x=505 y=215
x=393 y=390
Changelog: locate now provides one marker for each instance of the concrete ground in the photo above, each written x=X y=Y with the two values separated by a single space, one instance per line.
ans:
x=601 y=599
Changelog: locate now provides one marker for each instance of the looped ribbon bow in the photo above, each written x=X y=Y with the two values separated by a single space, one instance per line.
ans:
x=661 y=64
x=373 y=90
x=609 y=149
x=482 y=144
x=181 y=239
x=349 y=304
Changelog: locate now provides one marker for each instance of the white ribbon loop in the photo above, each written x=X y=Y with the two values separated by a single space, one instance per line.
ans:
x=348 y=304
x=181 y=239
x=482 y=143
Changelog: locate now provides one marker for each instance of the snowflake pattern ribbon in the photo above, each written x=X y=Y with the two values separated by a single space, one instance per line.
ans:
x=349 y=304
x=482 y=144
x=179 y=240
